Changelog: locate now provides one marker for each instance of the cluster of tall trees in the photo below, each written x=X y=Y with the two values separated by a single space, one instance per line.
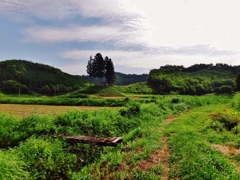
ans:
x=198 y=79
x=99 y=67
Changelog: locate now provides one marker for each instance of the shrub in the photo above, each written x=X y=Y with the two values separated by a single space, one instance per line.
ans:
x=46 y=158
x=226 y=89
x=12 y=167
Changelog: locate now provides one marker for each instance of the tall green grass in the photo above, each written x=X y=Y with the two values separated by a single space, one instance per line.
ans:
x=190 y=139
x=35 y=145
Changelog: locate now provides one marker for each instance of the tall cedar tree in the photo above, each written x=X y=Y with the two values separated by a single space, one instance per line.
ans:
x=98 y=66
x=238 y=82
x=90 y=68
x=110 y=73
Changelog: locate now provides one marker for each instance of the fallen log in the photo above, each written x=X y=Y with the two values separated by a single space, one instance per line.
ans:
x=109 y=141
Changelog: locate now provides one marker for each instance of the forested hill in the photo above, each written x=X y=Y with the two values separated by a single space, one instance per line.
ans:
x=26 y=76
x=122 y=79
x=195 y=80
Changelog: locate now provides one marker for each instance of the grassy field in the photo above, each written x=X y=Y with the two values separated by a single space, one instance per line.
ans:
x=22 y=110
x=164 y=137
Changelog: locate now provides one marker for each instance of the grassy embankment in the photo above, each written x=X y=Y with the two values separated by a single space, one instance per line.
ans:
x=204 y=143
x=88 y=96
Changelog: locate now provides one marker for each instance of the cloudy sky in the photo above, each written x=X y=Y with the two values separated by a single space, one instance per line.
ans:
x=138 y=35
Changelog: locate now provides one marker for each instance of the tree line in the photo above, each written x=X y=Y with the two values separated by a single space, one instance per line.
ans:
x=198 y=79
x=98 y=67
x=21 y=76
x=121 y=78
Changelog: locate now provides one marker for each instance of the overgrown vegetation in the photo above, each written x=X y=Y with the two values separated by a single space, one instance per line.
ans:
x=193 y=139
x=34 y=148
x=205 y=126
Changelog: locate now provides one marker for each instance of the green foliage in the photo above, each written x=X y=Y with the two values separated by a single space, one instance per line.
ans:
x=225 y=89
x=95 y=90
x=14 y=131
x=133 y=109
x=35 y=147
x=110 y=72
x=235 y=102
x=13 y=87
x=90 y=68
x=229 y=119
x=142 y=175
x=12 y=167
x=122 y=79
x=65 y=101
x=46 y=158
x=99 y=68
x=198 y=79
x=38 y=77
x=137 y=88
x=191 y=156
x=7 y=126
x=238 y=82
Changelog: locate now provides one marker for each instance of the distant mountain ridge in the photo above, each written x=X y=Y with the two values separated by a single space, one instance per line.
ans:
x=36 y=77
x=22 y=76
x=122 y=79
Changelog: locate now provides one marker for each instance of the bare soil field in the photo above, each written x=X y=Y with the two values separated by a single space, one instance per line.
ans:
x=22 y=110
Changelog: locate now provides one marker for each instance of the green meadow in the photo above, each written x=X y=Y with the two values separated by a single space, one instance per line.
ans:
x=164 y=137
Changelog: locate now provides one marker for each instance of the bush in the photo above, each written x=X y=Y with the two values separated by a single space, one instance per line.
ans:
x=46 y=158
x=225 y=89
x=12 y=167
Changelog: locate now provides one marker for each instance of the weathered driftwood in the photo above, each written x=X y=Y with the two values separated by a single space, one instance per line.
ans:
x=110 y=141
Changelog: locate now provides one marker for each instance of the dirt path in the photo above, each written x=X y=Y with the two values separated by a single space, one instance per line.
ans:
x=159 y=157
x=165 y=151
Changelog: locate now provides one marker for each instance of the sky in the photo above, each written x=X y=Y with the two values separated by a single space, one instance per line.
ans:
x=138 y=35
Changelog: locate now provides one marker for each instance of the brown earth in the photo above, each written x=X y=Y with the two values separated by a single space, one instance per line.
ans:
x=23 y=110
x=226 y=149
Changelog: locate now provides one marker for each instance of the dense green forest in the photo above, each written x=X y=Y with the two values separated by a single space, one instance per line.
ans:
x=21 y=76
x=122 y=79
x=198 y=79
x=24 y=76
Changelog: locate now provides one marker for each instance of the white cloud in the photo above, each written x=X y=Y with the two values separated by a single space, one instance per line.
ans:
x=189 y=22
x=135 y=34
x=71 y=34
x=109 y=10
x=139 y=61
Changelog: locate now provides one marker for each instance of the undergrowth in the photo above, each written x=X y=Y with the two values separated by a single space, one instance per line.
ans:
x=34 y=145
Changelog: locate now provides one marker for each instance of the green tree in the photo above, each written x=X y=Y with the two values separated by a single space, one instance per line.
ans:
x=238 y=82
x=13 y=87
x=110 y=72
x=226 y=89
x=98 y=66
x=90 y=68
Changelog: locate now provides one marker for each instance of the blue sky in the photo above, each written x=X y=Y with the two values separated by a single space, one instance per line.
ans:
x=138 y=35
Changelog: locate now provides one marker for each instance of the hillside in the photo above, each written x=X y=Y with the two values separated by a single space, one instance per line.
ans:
x=122 y=79
x=26 y=76
x=198 y=79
